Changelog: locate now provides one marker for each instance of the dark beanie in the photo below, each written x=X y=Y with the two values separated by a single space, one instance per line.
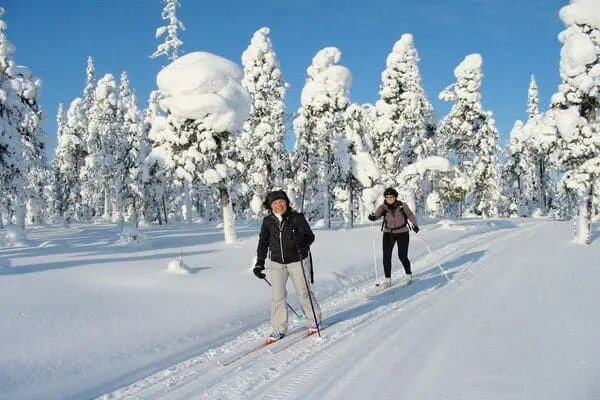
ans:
x=390 y=192
x=276 y=195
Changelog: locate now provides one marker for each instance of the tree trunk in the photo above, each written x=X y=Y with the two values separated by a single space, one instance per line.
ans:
x=583 y=231
x=350 y=202
x=188 y=203
x=164 y=207
x=326 y=197
x=228 y=217
x=20 y=210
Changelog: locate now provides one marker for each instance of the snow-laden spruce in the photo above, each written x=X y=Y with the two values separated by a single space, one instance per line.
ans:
x=155 y=178
x=468 y=136
x=101 y=168
x=172 y=44
x=526 y=173
x=319 y=127
x=404 y=128
x=261 y=144
x=21 y=136
x=574 y=110
x=68 y=161
x=359 y=167
x=134 y=151
x=206 y=106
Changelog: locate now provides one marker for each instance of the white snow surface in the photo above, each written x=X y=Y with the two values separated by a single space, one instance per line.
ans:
x=83 y=318
x=204 y=86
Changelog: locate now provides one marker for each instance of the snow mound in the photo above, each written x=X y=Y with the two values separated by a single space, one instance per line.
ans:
x=178 y=267
x=449 y=224
x=319 y=224
x=130 y=234
x=14 y=237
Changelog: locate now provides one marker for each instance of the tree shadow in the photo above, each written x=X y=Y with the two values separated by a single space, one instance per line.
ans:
x=90 y=240
x=64 y=264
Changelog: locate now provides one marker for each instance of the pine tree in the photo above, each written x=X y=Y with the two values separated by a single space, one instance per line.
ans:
x=21 y=135
x=360 y=169
x=90 y=85
x=517 y=176
x=69 y=160
x=198 y=145
x=60 y=203
x=575 y=107
x=404 y=127
x=101 y=169
x=319 y=128
x=172 y=45
x=533 y=99
x=468 y=136
x=154 y=176
x=130 y=161
x=262 y=139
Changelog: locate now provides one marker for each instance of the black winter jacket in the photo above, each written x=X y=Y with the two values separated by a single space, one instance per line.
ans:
x=289 y=241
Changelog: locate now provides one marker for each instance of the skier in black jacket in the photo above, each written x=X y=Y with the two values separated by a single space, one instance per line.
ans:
x=288 y=236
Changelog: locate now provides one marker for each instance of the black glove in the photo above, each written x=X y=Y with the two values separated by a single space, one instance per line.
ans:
x=259 y=271
x=371 y=217
x=416 y=229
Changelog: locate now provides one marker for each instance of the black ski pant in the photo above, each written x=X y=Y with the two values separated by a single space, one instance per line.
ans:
x=389 y=239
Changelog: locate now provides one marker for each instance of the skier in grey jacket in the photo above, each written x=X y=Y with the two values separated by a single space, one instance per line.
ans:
x=397 y=216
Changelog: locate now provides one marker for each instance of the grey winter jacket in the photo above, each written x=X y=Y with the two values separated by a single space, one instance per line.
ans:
x=394 y=218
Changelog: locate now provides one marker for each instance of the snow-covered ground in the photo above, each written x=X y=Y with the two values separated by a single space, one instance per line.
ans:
x=85 y=315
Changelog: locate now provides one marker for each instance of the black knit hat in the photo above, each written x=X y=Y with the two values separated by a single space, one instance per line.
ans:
x=390 y=192
x=276 y=195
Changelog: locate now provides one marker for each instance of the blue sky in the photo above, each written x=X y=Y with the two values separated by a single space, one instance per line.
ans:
x=516 y=38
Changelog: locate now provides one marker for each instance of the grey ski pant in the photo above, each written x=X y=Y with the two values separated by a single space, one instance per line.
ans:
x=279 y=277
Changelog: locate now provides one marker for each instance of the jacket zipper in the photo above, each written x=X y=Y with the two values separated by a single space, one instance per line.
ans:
x=281 y=240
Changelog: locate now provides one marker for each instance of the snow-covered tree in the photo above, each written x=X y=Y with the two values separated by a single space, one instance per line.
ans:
x=360 y=170
x=90 y=86
x=59 y=203
x=262 y=141
x=131 y=121
x=519 y=173
x=404 y=127
x=206 y=105
x=575 y=107
x=319 y=128
x=154 y=177
x=21 y=136
x=172 y=45
x=101 y=167
x=533 y=99
x=68 y=161
x=468 y=137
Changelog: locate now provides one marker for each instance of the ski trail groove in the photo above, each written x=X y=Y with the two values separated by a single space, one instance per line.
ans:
x=173 y=379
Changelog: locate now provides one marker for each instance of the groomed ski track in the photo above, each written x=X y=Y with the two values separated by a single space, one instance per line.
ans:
x=360 y=329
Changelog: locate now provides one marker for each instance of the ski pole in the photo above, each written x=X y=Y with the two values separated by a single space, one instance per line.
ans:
x=307 y=285
x=309 y=294
x=374 y=252
x=434 y=258
x=288 y=304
